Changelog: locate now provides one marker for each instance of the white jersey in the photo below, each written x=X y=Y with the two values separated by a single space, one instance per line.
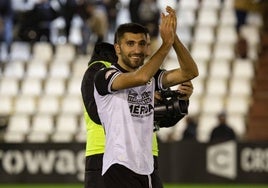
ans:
x=127 y=117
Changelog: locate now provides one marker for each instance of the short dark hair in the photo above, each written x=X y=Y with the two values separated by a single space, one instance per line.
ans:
x=129 y=28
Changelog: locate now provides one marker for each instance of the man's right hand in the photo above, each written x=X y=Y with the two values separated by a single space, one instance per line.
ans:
x=168 y=26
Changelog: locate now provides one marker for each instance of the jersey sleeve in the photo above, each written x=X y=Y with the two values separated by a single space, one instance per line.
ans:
x=158 y=77
x=104 y=79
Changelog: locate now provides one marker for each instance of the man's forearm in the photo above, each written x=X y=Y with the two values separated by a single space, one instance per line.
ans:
x=153 y=64
x=187 y=63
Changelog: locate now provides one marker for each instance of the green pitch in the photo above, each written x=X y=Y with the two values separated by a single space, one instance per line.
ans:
x=166 y=186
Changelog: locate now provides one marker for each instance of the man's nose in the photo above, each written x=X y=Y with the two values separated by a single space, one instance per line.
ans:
x=138 y=48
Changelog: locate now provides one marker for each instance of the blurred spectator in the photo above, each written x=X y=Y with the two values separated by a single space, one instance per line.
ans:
x=190 y=131
x=241 y=10
x=222 y=132
x=95 y=19
x=112 y=9
x=35 y=23
x=243 y=7
x=3 y=126
x=241 y=47
x=68 y=10
x=146 y=13
x=6 y=22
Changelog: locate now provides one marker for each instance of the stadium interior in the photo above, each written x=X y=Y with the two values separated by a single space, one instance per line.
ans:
x=40 y=98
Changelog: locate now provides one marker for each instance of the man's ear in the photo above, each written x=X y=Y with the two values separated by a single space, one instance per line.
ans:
x=117 y=48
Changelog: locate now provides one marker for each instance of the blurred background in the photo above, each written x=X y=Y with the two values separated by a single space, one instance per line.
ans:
x=44 y=50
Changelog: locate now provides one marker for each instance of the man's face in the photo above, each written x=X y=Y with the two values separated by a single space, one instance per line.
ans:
x=132 y=50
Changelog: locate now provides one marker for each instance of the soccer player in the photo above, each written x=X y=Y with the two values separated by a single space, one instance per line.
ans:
x=104 y=56
x=124 y=95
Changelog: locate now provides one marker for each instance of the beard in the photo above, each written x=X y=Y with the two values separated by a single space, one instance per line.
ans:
x=133 y=61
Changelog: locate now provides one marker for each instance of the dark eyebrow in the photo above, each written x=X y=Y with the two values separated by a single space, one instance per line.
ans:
x=144 y=41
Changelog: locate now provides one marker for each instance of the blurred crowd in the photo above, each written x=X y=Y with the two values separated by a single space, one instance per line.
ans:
x=89 y=21
x=76 y=21
x=54 y=20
